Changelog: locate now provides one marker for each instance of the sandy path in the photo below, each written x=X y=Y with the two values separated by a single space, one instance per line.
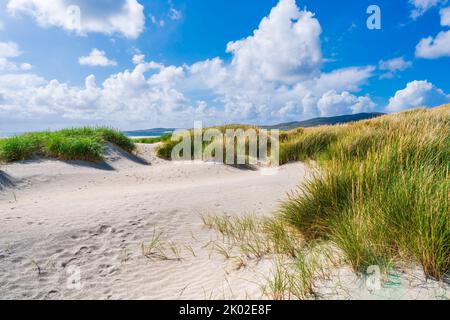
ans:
x=62 y=216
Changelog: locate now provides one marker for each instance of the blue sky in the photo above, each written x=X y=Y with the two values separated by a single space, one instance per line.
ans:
x=139 y=64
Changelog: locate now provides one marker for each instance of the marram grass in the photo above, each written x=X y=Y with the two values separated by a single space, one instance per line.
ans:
x=165 y=149
x=381 y=192
x=68 y=144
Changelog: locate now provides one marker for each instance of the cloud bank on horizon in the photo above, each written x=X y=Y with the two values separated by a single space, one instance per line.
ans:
x=277 y=73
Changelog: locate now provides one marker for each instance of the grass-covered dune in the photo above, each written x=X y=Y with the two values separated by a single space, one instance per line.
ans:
x=380 y=191
x=383 y=189
x=69 y=144
x=165 y=150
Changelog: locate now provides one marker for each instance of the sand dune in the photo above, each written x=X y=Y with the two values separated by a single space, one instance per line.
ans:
x=69 y=221
x=95 y=217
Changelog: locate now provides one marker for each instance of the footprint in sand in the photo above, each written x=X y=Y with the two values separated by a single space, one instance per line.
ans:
x=52 y=294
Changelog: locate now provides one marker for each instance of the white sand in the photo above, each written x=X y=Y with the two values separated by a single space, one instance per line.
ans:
x=56 y=217
x=72 y=214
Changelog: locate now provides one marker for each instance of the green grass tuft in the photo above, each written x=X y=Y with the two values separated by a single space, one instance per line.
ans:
x=381 y=192
x=19 y=148
x=68 y=144
x=165 y=149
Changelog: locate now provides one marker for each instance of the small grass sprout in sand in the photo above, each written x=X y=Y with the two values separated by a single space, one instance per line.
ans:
x=254 y=237
x=158 y=248
x=154 y=247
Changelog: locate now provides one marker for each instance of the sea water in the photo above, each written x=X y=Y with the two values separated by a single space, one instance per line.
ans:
x=130 y=134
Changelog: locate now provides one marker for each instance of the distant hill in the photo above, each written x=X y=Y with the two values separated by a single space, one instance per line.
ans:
x=282 y=126
x=325 y=121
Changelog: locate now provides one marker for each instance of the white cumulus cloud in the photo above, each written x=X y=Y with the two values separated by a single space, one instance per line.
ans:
x=125 y=17
x=285 y=47
x=26 y=66
x=445 y=16
x=393 y=66
x=96 y=58
x=422 y=6
x=432 y=48
x=138 y=58
x=417 y=94
x=273 y=75
x=343 y=103
x=9 y=50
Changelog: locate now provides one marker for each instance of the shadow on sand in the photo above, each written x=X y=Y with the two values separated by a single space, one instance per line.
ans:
x=6 y=181
x=95 y=165
x=112 y=154
x=244 y=167
x=447 y=278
